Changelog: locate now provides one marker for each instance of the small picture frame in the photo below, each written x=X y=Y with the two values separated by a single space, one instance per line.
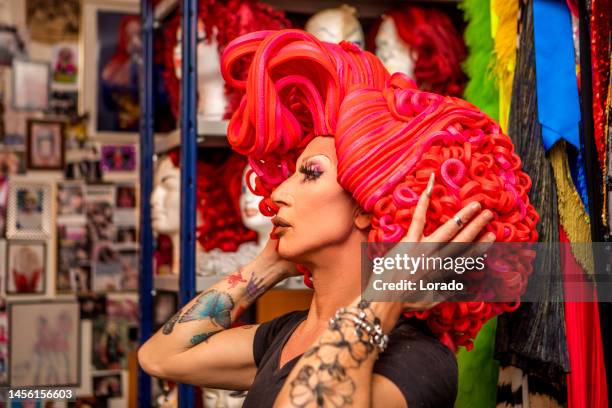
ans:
x=110 y=343
x=107 y=385
x=45 y=144
x=25 y=267
x=31 y=85
x=29 y=210
x=44 y=345
x=119 y=158
x=71 y=200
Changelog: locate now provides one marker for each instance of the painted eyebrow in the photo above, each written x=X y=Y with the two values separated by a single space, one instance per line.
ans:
x=313 y=155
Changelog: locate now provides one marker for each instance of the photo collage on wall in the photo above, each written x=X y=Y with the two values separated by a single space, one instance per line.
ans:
x=69 y=199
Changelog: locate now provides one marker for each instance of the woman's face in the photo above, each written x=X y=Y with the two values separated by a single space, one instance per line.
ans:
x=315 y=212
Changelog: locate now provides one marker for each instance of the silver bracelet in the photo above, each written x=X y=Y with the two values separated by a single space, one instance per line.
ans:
x=376 y=337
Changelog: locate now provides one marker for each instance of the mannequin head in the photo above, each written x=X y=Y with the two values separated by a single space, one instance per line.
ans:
x=252 y=218
x=218 y=24
x=211 y=91
x=166 y=198
x=219 y=224
x=217 y=398
x=388 y=137
x=424 y=44
x=394 y=53
x=336 y=24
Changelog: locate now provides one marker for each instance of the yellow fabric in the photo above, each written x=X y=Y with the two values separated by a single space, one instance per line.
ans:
x=572 y=214
x=505 y=29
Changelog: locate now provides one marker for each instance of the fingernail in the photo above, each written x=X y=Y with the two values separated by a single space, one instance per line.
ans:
x=491 y=236
x=430 y=184
x=475 y=206
x=488 y=215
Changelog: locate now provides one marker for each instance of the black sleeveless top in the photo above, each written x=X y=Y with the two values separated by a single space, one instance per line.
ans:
x=422 y=368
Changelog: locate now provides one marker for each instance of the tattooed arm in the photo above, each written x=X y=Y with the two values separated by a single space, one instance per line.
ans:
x=197 y=346
x=336 y=371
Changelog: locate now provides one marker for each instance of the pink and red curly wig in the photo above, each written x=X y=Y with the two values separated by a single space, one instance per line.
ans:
x=389 y=137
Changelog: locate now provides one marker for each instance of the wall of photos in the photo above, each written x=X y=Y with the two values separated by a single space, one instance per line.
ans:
x=68 y=202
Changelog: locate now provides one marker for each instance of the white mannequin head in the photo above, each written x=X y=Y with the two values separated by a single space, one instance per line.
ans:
x=166 y=198
x=394 y=53
x=216 y=398
x=336 y=24
x=211 y=87
x=249 y=207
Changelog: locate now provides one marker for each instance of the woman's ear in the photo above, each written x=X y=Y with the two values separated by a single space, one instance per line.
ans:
x=362 y=220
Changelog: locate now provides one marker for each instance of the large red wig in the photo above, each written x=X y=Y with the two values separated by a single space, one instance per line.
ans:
x=437 y=45
x=389 y=137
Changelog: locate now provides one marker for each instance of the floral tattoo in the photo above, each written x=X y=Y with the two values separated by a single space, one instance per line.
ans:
x=324 y=381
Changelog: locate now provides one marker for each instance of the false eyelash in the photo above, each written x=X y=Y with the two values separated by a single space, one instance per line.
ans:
x=311 y=172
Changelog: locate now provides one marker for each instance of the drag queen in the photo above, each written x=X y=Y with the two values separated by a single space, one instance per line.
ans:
x=344 y=154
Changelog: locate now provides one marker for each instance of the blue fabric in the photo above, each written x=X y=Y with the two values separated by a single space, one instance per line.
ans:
x=576 y=164
x=558 y=104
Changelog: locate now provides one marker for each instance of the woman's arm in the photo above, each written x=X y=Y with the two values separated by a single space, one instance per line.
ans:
x=337 y=369
x=194 y=346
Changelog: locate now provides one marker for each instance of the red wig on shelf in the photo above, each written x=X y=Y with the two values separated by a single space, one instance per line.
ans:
x=231 y=19
x=219 y=222
x=437 y=45
x=389 y=137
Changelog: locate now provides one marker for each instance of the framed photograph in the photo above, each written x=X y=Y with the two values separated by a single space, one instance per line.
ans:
x=4 y=355
x=29 y=210
x=45 y=144
x=25 y=267
x=129 y=269
x=110 y=341
x=14 y=119
x=80 y=278
x=63 y=103
x=64 y=64
x=93 y=305
x=110 y=89
x=126 y=196
x=118 y=158
x=107 y=385
x=71 y=199
x=31 y=85
x=126 y=309
x=44 y=345
x=50 y=22
x=107 y=268
x=73 y=253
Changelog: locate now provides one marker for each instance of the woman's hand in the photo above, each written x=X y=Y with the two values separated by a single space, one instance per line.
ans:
x=464 y=227
x=273 y=262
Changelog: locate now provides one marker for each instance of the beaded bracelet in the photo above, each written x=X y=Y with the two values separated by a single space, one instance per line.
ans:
x=357 y=316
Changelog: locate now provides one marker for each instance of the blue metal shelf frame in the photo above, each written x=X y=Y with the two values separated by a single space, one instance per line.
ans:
x=146 y=187
x=188 y=181
x=189 y=148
